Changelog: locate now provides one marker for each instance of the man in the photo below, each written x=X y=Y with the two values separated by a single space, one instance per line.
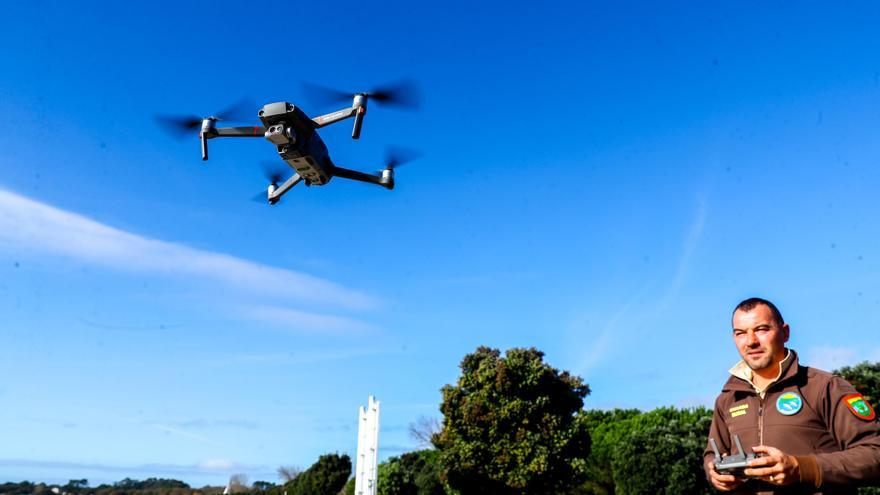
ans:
x=812 y=431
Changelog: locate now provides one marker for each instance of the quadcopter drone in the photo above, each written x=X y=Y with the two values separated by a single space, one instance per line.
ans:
x=295 y=136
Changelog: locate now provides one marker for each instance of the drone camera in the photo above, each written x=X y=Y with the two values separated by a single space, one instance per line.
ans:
x=279 y=134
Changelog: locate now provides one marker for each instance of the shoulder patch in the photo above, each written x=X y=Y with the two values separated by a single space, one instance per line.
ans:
x=859 y=406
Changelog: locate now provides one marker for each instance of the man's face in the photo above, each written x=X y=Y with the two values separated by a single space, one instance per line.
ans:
x=759 y=339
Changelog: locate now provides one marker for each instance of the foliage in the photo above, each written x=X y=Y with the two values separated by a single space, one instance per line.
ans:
x=349 y=487
x=513 y=425
x=325 y=477
x=262 y=486
x=413 y=473
x=288 y=473
x=608 y=430
x=423 y=431
x=663 y=453
x=865 y=377
x=149 y=484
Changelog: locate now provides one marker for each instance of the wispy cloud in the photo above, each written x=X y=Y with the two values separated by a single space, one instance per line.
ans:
x=689 y=246
x=294 y=318
x=183 y=433
x=208 y=466
x=829 y=358
x=31 y=225
x=600 y=342
x=205 y=423
x=309 y=357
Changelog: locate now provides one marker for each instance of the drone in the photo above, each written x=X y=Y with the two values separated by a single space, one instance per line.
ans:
x=296 y=139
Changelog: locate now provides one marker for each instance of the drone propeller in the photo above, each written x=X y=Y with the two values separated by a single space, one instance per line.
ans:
x=403 y=93
x=180 y=126
x=274 y=173
x=396 y=156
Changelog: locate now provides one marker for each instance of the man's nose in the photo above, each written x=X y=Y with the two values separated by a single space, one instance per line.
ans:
x=752 y=339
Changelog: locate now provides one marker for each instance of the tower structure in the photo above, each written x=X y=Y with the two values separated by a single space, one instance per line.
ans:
x=368 y=448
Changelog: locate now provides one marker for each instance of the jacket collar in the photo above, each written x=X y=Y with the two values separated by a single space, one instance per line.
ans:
x=740 y=381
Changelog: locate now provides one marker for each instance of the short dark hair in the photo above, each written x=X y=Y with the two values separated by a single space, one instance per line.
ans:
x=752 y=302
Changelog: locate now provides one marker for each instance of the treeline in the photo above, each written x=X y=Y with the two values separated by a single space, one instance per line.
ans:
x=151 y=486
x=512 y=425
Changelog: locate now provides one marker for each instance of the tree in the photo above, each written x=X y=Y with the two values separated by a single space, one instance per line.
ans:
x=75 y=486
x=325 y=477
x=608 y=430
x=238 y=483
x=262 y=486
x=663 y=453
x=423 y=430
x=413 y=473
x=288 y=473
x=513 y=425
x=865 y=377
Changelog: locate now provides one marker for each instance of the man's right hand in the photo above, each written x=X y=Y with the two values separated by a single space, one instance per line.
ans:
x=722 y=481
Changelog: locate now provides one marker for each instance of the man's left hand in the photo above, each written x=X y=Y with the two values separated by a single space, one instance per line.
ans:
x=774 y=466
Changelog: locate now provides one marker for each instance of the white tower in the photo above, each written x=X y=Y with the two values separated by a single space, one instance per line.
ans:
x=368 y=449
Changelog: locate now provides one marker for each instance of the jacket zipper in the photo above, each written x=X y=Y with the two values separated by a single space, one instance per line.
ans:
x=761 y=421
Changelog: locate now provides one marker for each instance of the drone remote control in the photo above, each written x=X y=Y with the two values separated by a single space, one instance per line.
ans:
x=734 y=463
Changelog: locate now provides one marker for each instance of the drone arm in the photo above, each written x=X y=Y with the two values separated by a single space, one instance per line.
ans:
x=249 y=131
x=275 y=195
x=385 y=180
x=332 y=118
x=211 y=132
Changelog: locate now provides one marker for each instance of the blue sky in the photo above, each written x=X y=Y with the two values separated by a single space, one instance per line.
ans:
x=602 y=181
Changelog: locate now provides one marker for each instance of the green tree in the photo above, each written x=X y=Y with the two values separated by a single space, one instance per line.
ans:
x=413 y=473
x=513 y=425
x=262 y=486
x=325 y=477
x=865 y=377
x=663 y=453
x=76 y=486
x=349 y=487
x=608 y=429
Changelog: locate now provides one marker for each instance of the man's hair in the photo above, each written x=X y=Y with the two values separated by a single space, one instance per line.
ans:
x=753 y=302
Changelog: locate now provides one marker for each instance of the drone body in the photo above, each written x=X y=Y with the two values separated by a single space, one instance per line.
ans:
x=297 y=142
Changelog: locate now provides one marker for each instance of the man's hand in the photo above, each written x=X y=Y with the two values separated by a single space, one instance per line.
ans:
x=775 y=466
x=721 y=481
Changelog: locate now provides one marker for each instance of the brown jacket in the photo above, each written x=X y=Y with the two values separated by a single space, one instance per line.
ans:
x=836 y=448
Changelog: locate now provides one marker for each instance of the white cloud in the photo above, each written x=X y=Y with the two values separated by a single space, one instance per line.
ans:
x=310 y=357
x=30 y=226
x=293 y=318
x=209 y=466
x=829 y=358
x=689 y=246
x=219 y=465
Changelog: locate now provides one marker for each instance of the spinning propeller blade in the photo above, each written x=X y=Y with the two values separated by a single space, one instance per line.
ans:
x=274 y=173
x=180 y=126
x=403 y=93
x=396 y=156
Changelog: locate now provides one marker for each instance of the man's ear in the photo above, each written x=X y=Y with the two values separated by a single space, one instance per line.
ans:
x=785 y=331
